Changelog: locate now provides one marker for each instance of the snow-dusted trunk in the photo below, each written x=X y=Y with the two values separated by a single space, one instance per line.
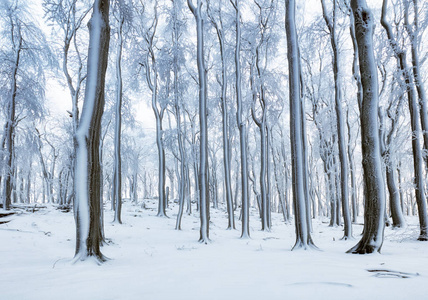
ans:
x=355 y=67
x=182 y=189
x=46 y=176
x=117 y=170
x=340 y=124
x=87 y=180
x=352 y=171
x=9 y=133
x=177 y=106
x=161 y=153
x=374 y=222
x=225 y=128
x=226 y=147
x=303 y=236
x=242 y=127
x=152 y=82
x=279 y=182
x=390 y=169
x=261 y=124
x=400 y=56
x=413 y=31
x=203 y=165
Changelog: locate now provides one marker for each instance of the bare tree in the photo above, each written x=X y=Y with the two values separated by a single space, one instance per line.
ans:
x=332 y=25
x=374 y=209
x=151 y=69
x=409 y=86
x=87 y=208
x=24 y=54
x=203 y=166
x=218 y=25
x=303 y=235
x=241 y=126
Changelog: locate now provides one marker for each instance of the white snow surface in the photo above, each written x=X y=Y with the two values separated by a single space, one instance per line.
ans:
x=151 y=260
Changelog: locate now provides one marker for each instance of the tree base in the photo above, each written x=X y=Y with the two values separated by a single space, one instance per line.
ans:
x=423 y=238
x=83 y=257
x=205 y=241
x=299 y=245
x=363 y=248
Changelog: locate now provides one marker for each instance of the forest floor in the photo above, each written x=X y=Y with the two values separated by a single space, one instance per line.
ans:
x=150 y=260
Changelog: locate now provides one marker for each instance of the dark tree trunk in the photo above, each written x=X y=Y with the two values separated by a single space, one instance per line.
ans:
x=374 y=222
x=88 y=169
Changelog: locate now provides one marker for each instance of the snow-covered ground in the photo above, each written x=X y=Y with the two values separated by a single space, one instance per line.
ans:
x=151 y=260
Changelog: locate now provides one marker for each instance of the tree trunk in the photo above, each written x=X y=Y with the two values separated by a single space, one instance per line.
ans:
x=332 y=24
x=203 y=166
x=242 y=127
x=117 y=177
x=354 y=200
x=374 y=222
x=303 y=236
x=10 y=125
x=87 y=183
x=400 y=56
x=413 y=32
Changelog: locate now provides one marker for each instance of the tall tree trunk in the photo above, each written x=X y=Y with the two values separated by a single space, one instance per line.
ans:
x=400 y=56
x=354 y=200
x=203 y=166
x=241 y=126
x=413 y=32
x=374 y=222
x=87 y=180
x=117 y=177
x=10 y=124
x=332 y=24
x=225 y=122
x=303 y=235
x=152 y=82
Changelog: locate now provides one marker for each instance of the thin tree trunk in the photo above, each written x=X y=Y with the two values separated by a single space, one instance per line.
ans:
x=203 y=167
x=413 y=32
x=332 y=24
x=10 y=124
x=225 y=123
x=242 y=127
x=117 y=177
x=400 y=56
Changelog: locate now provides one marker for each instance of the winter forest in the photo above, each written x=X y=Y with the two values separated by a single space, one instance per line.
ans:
x=193 y=149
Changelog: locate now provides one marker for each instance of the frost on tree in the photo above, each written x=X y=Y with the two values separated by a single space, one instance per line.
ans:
x=374 y=209
x=299 y=172
x=87 y=208
x=332 y=25
x=414 y=107
x=241 y=126
x=24 y=56
x=204 y=205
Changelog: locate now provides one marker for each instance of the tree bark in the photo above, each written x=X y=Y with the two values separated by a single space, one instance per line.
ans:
x=413 y=32
x=303 y=236
x=87 y=181
x=10 y=122
x=203 y=166
x=225 y=122
x=400 y=56
x=241 y=126
x=374 y=222
x=117 y=177
x=332 y=24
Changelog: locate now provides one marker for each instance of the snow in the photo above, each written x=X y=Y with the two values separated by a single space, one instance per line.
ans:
x=151 y=260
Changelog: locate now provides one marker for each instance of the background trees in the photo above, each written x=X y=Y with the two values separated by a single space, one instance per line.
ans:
x=282 y=120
